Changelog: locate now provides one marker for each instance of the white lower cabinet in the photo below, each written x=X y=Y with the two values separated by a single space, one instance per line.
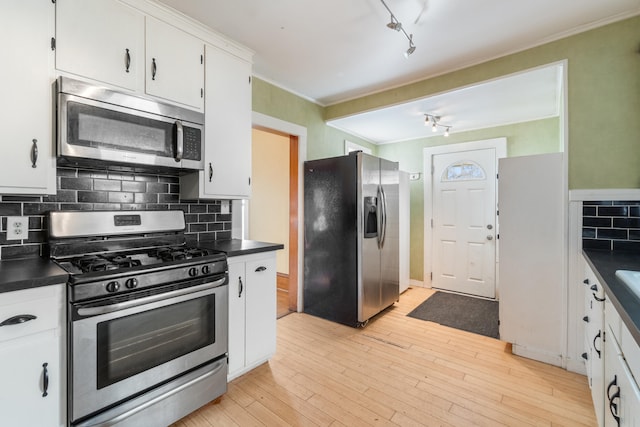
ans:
x=32 y=391
x=594 y=355
x=252 y=311
x=621 y=392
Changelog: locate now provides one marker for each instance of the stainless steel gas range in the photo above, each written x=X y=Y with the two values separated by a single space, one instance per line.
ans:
x=148 y=317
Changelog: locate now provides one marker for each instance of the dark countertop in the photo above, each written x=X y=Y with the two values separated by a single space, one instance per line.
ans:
x=237 y=247
x=16 y=275
x=604 y=265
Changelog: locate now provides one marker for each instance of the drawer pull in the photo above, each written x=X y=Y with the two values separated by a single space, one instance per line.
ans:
x=594 y=344
x=16 y=320
x=45 y=380
x=261 y=268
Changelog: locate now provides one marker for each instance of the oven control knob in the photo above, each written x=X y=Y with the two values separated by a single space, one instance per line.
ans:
x=206 y=269
x=113 y=286
x=193 y=271
x=131 y=283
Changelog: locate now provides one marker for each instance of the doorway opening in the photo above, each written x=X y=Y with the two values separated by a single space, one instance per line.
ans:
x=292 y=140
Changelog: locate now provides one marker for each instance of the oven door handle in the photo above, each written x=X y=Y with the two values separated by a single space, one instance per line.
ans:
x=104 y=309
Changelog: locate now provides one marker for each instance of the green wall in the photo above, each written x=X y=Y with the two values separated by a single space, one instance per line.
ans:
x=603 y=99
x=322 y=140
x=603 y=68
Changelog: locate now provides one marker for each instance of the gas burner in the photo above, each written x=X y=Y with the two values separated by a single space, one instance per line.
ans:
x=90 y=263
x=174 y=253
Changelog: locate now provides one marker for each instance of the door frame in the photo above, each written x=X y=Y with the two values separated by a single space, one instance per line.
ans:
x=500 y=146
x=297 y=136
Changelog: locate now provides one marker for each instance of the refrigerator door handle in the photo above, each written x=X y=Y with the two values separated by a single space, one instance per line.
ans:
x=382 y=233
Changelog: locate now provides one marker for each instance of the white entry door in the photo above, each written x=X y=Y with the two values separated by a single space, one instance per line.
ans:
x=464 y=222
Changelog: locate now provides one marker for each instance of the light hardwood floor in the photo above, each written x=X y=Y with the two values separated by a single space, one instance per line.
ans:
x=397 y=371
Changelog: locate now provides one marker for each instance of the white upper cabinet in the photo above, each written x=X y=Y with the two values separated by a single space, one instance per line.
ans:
x=174 y=64
x=27 y=163
x=113 y=43
x=102 y=40
x=227 y=168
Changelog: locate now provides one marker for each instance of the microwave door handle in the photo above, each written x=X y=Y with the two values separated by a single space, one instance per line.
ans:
x=179 y=141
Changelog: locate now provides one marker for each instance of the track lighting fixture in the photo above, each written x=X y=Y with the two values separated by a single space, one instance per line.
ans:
x=435 y=123
x=396 y=25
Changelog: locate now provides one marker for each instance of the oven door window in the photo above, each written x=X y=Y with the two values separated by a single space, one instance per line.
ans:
x=96 y=127
x=132 y=344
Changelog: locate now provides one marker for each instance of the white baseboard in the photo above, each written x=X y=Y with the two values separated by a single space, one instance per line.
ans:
x=417 y=283
x=576 y=366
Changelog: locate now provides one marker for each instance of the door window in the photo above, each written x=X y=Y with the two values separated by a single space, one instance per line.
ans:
x=132 y=344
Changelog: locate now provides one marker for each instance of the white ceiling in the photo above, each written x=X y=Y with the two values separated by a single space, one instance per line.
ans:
x=330 y=51
x=522 y=97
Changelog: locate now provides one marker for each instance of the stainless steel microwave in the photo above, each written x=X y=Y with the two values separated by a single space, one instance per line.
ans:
x=99 y=124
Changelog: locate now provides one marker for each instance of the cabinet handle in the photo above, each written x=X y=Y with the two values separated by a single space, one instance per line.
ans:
x=594 y=344
x=585 y=281
x=613 y=407
x=210 y=171
x=16 y=320
x=179 y=141
x=34 y=153
x=586 y=319
x=585 y=356
x=240 y=287
x=595 y=297
x=127 y=60
x=261 y=268
x=154 y=68
x=45 y=379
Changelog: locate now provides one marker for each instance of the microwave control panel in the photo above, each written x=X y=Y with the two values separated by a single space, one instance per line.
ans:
x=192 y=143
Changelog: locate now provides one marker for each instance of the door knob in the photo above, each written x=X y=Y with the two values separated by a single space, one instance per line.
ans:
x=489 y=227
x=489 y=237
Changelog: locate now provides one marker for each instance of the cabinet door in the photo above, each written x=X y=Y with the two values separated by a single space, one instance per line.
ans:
x=237 y=293
x=622 y=396
x=22 y=391
x=261 y=309
x=174 y=64
x=26 y=29
x=594 y=343
x=102 y=40
x=228 y=120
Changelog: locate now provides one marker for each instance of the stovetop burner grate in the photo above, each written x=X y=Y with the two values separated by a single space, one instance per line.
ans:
x=90 y=263
x=176 y=253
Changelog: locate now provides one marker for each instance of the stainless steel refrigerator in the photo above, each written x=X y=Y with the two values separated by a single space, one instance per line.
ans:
x=351 y=254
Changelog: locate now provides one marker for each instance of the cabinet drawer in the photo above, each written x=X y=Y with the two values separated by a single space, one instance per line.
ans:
x=631 y=352
x=613 y=320
x=44 y=303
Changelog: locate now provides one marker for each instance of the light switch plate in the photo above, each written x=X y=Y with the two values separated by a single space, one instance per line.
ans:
x=17 y=227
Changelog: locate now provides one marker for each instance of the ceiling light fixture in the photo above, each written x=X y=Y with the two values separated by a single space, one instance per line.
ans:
x=396 y=25
x=435 y=123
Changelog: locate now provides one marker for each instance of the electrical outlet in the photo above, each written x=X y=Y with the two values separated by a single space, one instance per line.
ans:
x=17 y=227
x=224 y=207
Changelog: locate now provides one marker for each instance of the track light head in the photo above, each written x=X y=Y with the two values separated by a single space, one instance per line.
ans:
x=412 y=47
x=394 y=24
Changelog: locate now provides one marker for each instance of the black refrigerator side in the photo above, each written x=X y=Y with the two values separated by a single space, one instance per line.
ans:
x=331 y=239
